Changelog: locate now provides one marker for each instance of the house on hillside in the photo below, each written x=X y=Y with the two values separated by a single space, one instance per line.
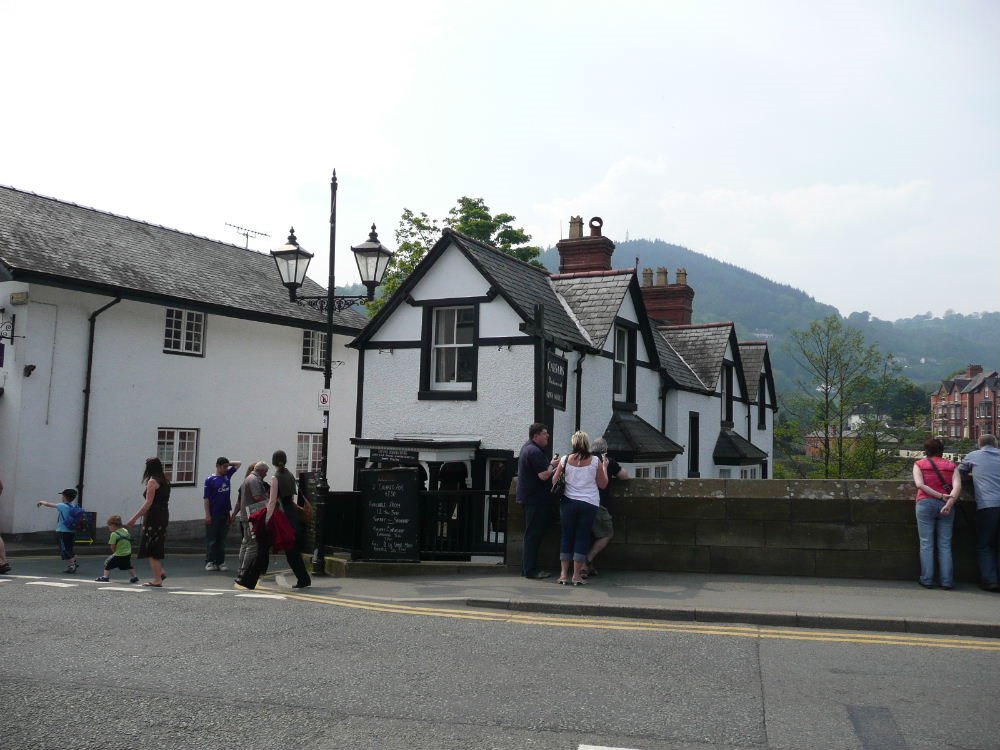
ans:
x=476 y=345
x=122 y=340
x=965 y=407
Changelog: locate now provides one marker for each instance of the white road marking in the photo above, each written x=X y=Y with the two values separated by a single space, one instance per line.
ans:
x=130 y=589
x=79 y=580
x=4 y=580
x=32 y=577
x=603 y=747
x=198 y=593
x=261 y=596
x=54 y=584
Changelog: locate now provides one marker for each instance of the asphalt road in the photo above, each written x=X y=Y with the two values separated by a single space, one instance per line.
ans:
x=199 y=665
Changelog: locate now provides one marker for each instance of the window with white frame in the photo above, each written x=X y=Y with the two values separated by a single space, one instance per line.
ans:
x=313 y=350
x=661 y=472
x=184 y=332
x=453 y=353
x=309 y=452
x=748 y=472
x=177 y=449
x=620 y=374
x=642 y=472
x=725 y=473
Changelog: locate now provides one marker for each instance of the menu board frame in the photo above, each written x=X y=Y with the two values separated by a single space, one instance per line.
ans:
x=391 y=514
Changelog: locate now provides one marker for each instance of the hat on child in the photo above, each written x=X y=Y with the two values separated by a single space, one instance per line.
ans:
x=69 y=494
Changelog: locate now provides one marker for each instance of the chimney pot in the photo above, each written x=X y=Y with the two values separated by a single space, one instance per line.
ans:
x=575 y=227
x=682 y=276
x=661 y=276
x=647 y=277
x=595 y=226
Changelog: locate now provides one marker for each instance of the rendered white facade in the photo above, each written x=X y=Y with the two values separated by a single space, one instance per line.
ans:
x=247 y=396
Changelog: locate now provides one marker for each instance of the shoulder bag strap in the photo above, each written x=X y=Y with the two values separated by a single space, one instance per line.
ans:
x=945 y=484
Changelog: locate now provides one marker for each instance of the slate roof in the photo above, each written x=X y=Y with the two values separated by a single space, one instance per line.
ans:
x=631 y=439
x=732 y=449
x=48 y=241
x=752 y=353
x=675 y=367
x=989 y=378
x=703 y=347
x=595 y=298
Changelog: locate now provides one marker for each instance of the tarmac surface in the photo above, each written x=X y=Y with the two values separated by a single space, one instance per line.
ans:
x=867 y=605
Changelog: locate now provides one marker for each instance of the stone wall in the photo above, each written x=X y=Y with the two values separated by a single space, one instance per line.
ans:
x=828 y=528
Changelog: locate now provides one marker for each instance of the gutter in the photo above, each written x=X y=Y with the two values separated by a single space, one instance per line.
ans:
x=86 y=395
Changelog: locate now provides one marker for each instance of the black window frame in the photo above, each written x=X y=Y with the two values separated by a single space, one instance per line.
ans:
x=694 y=444
x=762 y=403
x=427 y=392
x=631 y=359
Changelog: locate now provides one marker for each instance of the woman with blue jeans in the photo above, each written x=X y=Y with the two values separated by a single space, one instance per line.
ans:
x=586 y=475
x=938 y=484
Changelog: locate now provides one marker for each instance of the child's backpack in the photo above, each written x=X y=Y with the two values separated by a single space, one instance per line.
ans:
x=77 y=518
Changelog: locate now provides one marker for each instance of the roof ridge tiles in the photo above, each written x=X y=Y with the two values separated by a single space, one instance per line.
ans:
x=583 y=274
x=126 y=218
x=697 y=325
x=492 y=249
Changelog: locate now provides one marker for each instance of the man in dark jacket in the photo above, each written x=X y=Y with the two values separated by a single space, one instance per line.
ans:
x=534 y=472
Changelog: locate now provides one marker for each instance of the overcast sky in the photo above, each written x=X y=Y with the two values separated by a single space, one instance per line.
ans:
x=850 y=149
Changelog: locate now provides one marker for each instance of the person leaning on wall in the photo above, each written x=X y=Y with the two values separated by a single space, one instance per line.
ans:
x=983 y=466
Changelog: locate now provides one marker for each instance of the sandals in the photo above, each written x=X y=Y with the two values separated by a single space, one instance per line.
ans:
x=579 y=582
x=153 y=585
x=563 y=582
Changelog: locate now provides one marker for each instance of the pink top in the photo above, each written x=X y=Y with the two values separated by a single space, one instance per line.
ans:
x=931 y=479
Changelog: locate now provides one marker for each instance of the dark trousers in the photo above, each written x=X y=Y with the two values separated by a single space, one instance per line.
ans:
x=987 y=530
x=255 y=563
x=298 y=566
x=576 y=519
x=215 y=539
x=536 y=520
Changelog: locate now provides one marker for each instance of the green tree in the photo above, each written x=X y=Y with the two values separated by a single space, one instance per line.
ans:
x=837 y=363
x=417 y=234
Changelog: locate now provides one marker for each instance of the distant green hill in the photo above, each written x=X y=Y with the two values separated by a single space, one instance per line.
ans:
x=930 y=349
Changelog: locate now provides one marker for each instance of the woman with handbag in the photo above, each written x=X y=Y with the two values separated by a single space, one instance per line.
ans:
x=283 y=487
x=938 y=484
x=585 y=475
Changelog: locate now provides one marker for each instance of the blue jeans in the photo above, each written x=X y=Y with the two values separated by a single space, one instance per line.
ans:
x=576 y=518
x=215 y=538
x=987 y=529
x=931 y=523
x=536 y=518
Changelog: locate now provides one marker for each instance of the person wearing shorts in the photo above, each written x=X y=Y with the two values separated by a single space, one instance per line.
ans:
x=121 y=551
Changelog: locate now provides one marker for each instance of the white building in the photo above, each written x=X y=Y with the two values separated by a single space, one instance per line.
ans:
x=476 y=345
x=124 y=340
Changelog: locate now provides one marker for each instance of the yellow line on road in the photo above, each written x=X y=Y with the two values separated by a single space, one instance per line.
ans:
x=738 y=631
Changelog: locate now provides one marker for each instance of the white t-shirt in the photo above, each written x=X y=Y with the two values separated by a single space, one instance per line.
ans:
x=581 y=482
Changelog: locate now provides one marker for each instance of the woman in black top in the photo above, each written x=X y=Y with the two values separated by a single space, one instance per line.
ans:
x=156 y=516
x=283 y=495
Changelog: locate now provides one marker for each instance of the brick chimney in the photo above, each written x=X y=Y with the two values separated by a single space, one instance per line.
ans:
x=667 y=303
x=973 y=370
x=578 y=253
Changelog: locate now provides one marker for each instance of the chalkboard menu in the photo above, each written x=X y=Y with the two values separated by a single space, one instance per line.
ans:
x=555 y=381
x=391 y=514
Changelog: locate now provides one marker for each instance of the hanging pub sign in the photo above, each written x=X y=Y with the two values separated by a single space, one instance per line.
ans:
x=555 y=381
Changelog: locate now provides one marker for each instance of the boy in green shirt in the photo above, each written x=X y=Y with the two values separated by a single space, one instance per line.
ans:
x=121 y=551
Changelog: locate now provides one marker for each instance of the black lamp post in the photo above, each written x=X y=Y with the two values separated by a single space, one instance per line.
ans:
x=292 y=261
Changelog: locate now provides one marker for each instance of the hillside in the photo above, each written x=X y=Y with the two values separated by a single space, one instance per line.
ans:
x=929 y=348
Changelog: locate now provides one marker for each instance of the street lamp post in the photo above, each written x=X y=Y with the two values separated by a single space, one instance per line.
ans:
x=292 y=262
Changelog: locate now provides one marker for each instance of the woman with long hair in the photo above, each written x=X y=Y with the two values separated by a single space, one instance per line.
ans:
x=586 y=475
x=282 y=499
x=156 y=516
x=938 y=484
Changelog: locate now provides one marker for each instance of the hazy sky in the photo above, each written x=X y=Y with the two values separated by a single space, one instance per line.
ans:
x=850 y=149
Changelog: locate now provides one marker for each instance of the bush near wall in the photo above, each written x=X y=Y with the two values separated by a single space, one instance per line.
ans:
x=826 y=528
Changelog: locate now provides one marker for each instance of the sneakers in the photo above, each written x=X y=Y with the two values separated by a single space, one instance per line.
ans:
x=105 y=579
x=4 y=568
x=222 y=567
x=211 y=566
x=72 y=568
x=134 y=579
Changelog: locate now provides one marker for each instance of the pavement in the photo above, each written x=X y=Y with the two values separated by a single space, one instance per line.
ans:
x=828 y=603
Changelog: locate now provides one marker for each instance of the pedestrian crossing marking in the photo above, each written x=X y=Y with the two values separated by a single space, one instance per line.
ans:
x=197 y=593
x=261 y=596
x=12 y=575
x=129 y=589
x=53 y=584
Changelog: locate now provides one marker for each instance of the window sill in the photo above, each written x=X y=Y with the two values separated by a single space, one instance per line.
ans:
x=184 y=354
x=446 y=396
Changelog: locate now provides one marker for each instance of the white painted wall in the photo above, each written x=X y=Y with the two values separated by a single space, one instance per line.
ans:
x=247 y=396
